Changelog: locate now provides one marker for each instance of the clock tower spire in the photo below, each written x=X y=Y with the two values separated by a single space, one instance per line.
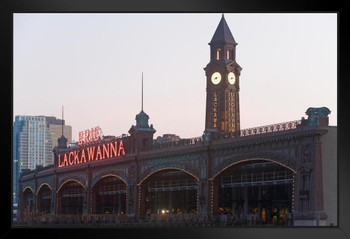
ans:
x=222 y=73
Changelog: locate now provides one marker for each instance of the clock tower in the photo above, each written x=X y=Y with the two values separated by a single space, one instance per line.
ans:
x=222 y=72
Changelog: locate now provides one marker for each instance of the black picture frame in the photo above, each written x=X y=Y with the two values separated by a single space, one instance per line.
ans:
x=342 y=8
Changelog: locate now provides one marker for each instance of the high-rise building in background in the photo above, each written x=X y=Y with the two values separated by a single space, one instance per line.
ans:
x=34 y=138
x=55 y=127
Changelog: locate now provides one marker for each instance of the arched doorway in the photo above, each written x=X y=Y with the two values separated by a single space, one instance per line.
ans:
x=28 y=196
x=44 y=196
x=109 y=196
x=70 y=198
x=256 y=191
x=169 y=191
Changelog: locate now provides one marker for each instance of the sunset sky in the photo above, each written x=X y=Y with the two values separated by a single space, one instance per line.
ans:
x=92 y=64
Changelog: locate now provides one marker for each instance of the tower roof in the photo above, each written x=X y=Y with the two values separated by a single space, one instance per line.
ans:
x=142 y=123
x=222 y=33
x=142 y=120
x=62 y=142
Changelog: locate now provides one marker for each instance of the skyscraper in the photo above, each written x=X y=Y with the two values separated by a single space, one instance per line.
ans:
x=55 y=127
x=34 y=138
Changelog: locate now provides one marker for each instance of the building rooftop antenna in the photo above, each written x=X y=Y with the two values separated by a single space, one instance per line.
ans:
x=62 y=118
x=142 y=94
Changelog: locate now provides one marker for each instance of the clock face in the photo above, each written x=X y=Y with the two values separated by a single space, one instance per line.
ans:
x=216 y=78
x=231 y=78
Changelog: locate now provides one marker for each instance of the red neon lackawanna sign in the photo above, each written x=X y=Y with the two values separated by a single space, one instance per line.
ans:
x=82 y=155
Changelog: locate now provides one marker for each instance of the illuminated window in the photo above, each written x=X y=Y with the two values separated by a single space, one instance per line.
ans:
x=218 y=54
x=228 y=54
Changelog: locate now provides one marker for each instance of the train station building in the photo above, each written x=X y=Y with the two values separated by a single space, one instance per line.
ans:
x=281 y=174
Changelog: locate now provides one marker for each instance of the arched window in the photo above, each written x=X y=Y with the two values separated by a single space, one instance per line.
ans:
x=229 y=54
x=218 y=53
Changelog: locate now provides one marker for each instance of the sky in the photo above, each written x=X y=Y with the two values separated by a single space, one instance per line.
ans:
x=93 y=63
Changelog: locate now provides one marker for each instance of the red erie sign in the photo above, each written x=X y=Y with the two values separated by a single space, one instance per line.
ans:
x=91 y=153
x=90 y=135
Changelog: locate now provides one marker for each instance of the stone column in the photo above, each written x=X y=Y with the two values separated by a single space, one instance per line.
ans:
x=58 y=204
x=297 y=177
x=210 y=196
x=203 y=196
x=215 y=196
x=131 y=207
x=141 y=204
x=53 y=201
x=34 y=203
x=87 y=202
x=317 y=184
x=21 y=204
x=93 y=202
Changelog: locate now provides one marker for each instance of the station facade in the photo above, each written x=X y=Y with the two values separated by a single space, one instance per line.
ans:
x=279 y=172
